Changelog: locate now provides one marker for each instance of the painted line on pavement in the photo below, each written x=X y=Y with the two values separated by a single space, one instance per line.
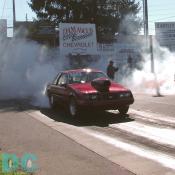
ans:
x=105 y=146
x=153 y=116
x=163 y=159
x=157 y=134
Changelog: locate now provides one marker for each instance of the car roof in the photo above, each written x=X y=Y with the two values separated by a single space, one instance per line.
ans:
x=81 y=70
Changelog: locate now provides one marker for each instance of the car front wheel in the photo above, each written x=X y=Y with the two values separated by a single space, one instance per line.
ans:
x=123 y=109
x=73 y=107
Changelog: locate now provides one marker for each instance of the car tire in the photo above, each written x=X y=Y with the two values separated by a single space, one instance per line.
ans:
x=52 y=102
x=123 y=109
x=73 y=107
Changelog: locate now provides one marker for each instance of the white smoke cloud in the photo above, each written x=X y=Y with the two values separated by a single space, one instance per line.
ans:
x=25 y=69
x=131 y=24
x=162 y=80
x=143 y=81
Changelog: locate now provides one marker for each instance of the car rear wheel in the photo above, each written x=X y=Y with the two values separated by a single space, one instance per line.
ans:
x=52 y=102
x=73 y=107
x=123 y=109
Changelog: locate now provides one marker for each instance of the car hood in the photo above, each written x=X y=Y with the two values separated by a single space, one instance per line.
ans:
x=88 y=88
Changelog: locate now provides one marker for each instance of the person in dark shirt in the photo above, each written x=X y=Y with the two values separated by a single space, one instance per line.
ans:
x=111 y=70
x=129 y=61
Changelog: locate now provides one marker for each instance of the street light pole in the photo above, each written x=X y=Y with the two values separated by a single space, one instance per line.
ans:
x=14 y=15
x=145 y=16
x=150 y=43
x=151 y=52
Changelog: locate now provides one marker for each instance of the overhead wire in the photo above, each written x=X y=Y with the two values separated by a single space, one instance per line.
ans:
x=163 y=18
x=157 y=12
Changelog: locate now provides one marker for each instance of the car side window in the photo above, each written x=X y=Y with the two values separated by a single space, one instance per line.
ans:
x=62 y=79
x=55 y=81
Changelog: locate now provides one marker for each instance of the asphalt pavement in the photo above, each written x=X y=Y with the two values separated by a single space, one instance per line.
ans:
x=164 y=104
x=56 y=153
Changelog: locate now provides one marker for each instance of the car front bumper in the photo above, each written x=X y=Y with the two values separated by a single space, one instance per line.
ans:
x=105 y=104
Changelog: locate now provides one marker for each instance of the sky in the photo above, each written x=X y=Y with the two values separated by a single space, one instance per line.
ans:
x=158 y=11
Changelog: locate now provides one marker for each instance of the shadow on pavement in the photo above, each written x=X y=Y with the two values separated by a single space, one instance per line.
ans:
x=16 y=105
x=101 y=119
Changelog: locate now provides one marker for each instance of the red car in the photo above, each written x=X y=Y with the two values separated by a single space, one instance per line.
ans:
x=83 y=89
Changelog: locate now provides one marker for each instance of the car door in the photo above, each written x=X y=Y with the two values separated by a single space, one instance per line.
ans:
x=60 y=89
x=53 y=87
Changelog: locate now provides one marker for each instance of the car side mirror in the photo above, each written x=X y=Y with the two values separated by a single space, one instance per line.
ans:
x=48 y=84
x=64 y=85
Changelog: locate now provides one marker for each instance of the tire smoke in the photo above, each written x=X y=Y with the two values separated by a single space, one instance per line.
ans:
x=159 y=82
x=25 y=69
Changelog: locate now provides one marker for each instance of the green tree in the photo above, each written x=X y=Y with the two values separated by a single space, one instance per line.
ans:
x=106 y=14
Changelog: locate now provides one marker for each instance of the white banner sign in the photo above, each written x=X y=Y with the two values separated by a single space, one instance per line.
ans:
x=165 y=33
x=119 y=52
x=123 y=51
x=77 y=39
x=3 y=28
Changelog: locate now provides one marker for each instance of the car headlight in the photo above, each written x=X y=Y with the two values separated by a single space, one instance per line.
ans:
x=81 y=95
x=126 y=94
x=93 y=96
x=85 y=96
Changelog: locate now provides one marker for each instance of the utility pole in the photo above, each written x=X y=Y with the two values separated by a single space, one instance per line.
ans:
x=26 y=17
x=150 y=43
x=145 y=16
x=156 y=82
x=14 y=15
x=151 y=52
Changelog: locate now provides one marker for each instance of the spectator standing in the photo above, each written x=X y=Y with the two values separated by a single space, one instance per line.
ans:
x=130 y=61
x=111 y=70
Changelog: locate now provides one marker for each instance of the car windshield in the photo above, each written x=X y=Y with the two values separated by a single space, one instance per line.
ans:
x=83 y=77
